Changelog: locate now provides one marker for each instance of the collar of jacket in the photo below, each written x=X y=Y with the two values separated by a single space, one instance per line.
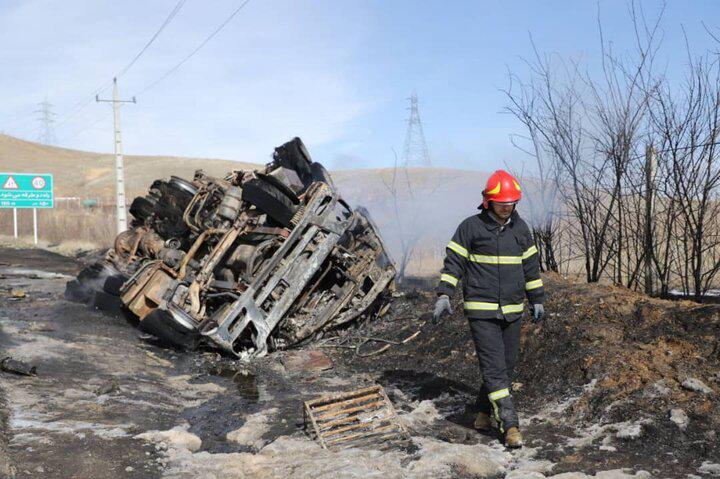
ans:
x=490 y=222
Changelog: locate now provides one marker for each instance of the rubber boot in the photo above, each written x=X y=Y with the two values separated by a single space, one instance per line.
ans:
x=513 y=437
x=483 y=421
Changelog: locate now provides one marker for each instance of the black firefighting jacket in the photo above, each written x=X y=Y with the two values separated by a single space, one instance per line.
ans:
x=498 y=264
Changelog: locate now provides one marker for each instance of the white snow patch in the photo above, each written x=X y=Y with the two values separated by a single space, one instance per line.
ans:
x=177 y=438
x=525 y=465
x=711 y=468
x=301 y=458
x=680 y=418
x=612 y=474
x=75 y=428
x=34 y=273
x=476 y=460
x=694 y=384
x=631 y=431
x=559 y=408
x=623 y=430
x=251 y=432
x=424 y=414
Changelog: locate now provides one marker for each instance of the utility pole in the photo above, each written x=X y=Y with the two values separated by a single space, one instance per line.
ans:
x=119 y=164
x=47 y=134
x=650 y=166
x=415 y=151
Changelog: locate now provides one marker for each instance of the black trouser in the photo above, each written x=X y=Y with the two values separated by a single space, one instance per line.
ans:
x=497 y=343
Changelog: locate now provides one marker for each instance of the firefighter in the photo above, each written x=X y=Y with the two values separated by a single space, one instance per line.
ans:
x=494 y=254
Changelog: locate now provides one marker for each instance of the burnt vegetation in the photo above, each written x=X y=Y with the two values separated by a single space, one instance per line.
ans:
x=625 y=168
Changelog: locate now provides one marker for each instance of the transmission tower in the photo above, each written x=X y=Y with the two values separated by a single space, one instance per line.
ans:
x=415 y=151
x=46 y=133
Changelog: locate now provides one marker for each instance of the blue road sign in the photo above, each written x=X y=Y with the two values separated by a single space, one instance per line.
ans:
x=26 y=190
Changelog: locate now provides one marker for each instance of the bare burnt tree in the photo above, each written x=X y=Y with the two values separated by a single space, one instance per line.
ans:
x=686 y=122
x=617 y=113
x=541 y=194
x=589 y=127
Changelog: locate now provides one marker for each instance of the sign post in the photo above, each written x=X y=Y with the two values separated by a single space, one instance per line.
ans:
x=26 y=190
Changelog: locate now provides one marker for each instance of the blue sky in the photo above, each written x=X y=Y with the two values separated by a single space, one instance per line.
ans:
x=336 y=73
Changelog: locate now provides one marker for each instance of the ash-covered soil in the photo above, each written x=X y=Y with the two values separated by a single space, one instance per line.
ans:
x=595 y=387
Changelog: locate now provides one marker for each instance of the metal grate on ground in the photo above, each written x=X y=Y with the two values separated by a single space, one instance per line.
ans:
x=356 y=418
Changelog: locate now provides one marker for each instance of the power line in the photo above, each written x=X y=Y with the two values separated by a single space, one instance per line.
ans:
x=84 y=103
x=197 y=49
x=86 y=128
x=167 y=21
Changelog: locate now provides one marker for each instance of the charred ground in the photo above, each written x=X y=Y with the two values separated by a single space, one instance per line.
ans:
x=595 y=383
x=603 y=372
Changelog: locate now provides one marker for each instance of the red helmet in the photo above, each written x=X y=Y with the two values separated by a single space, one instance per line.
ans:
x=501 y=187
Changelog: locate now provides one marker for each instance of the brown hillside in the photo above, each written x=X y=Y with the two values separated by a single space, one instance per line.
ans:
x=87 y=174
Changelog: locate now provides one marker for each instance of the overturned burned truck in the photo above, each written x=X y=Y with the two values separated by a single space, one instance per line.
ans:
x=255 y=261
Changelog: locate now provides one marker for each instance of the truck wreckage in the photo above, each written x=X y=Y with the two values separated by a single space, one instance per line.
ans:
x=252 y=262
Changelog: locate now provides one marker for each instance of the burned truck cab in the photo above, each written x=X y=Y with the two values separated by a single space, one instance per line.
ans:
x=251 y=262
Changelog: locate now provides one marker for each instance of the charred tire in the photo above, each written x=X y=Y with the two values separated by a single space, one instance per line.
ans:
x=77 y=293
x=183 y=185
x=113 y=284
x=161 y=325
x=270 y=200
x=108 y=303
x=142 y=207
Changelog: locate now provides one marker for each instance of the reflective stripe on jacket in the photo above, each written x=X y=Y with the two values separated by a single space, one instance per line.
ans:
x=498 y=266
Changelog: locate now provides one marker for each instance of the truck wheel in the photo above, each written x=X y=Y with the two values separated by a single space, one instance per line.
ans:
x=159 y=324
x=270 y=200
x=113 y=284
x=141 y=208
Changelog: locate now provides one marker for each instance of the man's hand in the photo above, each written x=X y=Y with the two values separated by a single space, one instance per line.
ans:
x=538 y=313
x=441 y=306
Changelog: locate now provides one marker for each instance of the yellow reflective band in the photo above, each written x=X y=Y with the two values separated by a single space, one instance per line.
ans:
x=502 y=393
x=458 y=249
x=529 y=252
x=478 y=305
x=482 y=258
x=513 y=308
x=482 y=306
x=449 y=279
x=495 y=190
x=534 y=284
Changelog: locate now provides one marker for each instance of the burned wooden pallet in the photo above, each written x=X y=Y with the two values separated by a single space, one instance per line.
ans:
x=356 y=418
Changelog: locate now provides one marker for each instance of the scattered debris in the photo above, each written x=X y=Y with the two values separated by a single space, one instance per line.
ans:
x=17 y=294
x=361 y=417
x=306 y=360
x=694 y=384
x=680 y=418
x=252 y=262
x=10 y=365
x=108 y=388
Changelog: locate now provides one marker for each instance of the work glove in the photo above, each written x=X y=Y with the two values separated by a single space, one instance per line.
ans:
x=538 y=313
x=441 y=306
